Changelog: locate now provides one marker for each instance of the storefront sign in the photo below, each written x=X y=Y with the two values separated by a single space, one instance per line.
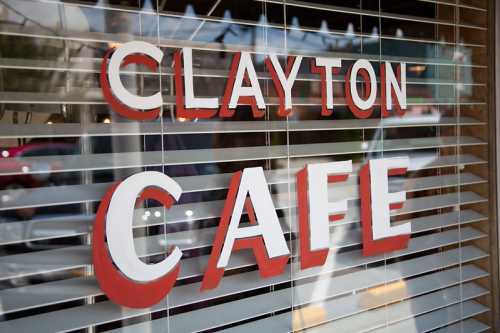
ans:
x=130 y=282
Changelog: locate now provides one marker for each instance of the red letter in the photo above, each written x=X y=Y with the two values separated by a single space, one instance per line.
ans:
x=361 y=107
x=123 y=277
x=242 y=70
x=396 y=84
x=190 y=107
x=264 y=236
x=315 y=212
x=376 y=201
x=326 y=67
x=283 y=81
x=121 y=100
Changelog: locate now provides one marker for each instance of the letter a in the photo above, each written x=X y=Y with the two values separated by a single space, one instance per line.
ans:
x=264 y=234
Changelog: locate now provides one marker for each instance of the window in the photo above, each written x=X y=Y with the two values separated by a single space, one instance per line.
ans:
x=63 y=146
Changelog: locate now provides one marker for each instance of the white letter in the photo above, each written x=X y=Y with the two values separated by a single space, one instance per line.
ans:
x=286 y=83
x=253 y=90
x=381 y=198
x=119 y=226
x=391 y=81
x=190 y=100
x=319 y=207
x=329 y=64
x=253 y=183
x=131 y=100
x=358 y=101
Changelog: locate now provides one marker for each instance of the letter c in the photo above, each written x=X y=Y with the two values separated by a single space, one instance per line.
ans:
x=118 y=97
x=123 y=277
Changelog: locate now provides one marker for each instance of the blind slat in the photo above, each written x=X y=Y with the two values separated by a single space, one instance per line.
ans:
x=16 y=231
x=350 y=305
x=43 y=262
x=93 y=96
x=18 y=299
x=12 y=299
x=87 y=162
x=92 y=65
x=418 y=161
x=71 y=225
x=19 y=265
x=235 y=311
x=87 y=313
x=213 y=127
x=204 y=210
x=466 y=326
x=71 y=194
x=436 y=319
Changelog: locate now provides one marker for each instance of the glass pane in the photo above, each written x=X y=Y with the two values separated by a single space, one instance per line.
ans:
x=65 y=142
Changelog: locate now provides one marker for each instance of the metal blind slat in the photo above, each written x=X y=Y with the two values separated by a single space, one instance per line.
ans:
x=93 y=96
x=75 y=257
x=17 y=299
x=212 y=127
x=82 y=315
x=69 y=163
x=205 y=210
x=69 y=194
x=188 y=295
x=226 y=313
x=350 y=305
x=438 y=318
x=466 y=326
x=92 y=65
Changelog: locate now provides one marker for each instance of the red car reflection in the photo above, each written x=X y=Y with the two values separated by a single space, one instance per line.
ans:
x=37 y=172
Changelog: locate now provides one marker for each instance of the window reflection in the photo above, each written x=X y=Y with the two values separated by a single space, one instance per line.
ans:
x=62 y=147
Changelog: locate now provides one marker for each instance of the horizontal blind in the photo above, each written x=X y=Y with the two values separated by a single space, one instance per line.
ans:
x=63 y=147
